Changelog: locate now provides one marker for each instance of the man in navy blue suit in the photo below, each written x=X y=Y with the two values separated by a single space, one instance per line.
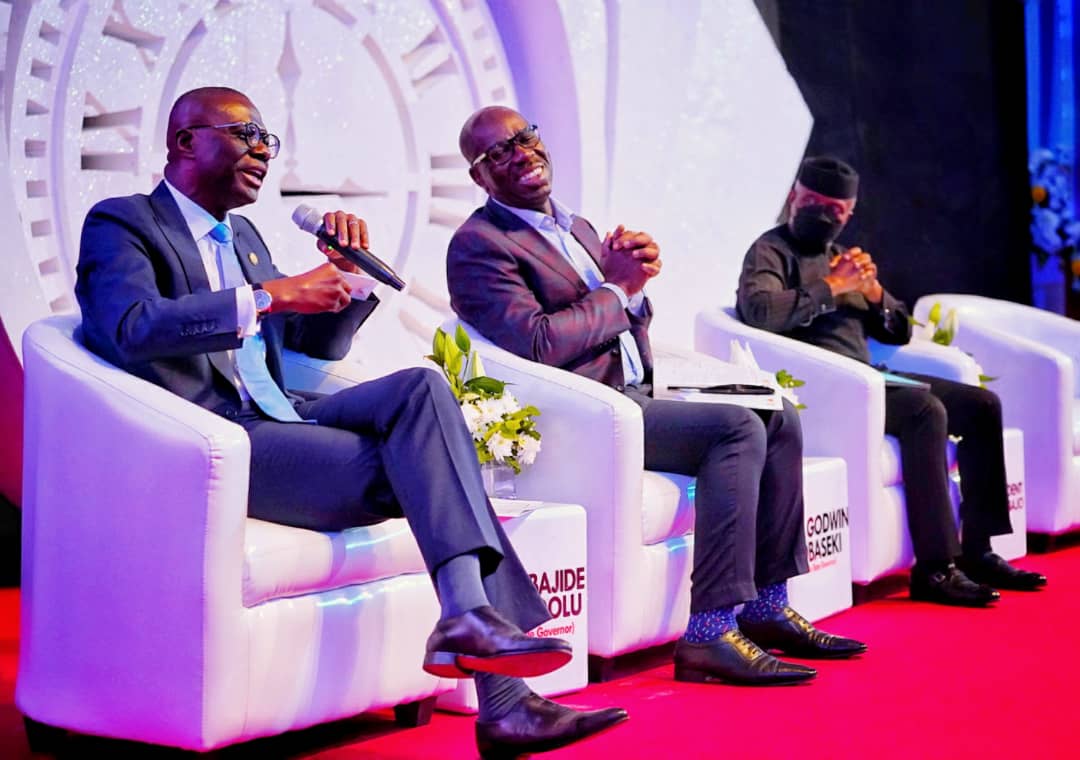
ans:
x=175 y=289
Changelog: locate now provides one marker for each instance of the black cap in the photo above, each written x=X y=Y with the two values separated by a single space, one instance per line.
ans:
x=829 y=176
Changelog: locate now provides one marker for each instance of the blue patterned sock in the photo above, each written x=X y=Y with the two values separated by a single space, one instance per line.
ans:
x=770 y=601
x=710 y=625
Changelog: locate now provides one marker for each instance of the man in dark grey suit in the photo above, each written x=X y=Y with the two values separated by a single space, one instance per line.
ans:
x=178 y=291
x=537 y=280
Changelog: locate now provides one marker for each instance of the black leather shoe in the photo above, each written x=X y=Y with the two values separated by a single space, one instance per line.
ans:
x=795 y=636
x=537 y=725
x=735 y=659
x=484 y=640
x=950 y=586
x=995 y=572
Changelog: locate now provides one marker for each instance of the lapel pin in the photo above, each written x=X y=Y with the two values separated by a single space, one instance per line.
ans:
x=253 y=258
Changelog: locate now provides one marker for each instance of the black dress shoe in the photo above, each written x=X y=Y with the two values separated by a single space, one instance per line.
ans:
x=537 y=725
x=794 y=635
x=483 y=640
x=950 y=586
x=735 y=659
x=995 y=572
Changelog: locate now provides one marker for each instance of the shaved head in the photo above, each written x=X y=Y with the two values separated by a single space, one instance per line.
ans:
x=211 y=159
x=199 y=106
x=477 y=124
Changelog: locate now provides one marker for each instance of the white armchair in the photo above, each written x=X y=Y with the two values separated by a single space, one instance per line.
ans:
x=1035 y=356
x=845 y=417
x=154 y=609
x=640 y=523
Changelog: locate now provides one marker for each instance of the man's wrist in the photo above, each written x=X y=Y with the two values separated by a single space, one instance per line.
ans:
x=264 y=301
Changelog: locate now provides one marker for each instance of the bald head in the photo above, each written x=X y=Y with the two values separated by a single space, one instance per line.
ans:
x=211 y=159
x=481 y=123
x=205 y=105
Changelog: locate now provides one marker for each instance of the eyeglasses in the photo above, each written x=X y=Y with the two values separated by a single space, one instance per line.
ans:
x=500 y=152
x=253 y=135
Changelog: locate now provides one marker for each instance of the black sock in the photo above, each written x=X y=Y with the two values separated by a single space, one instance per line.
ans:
x=498 y=695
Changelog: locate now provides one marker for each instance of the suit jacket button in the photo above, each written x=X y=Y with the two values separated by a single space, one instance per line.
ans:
x=619 y=388
x=614 y=352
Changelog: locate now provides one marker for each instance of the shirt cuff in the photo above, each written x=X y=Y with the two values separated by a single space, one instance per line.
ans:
x=821 y=296
x=360 y=285
x=247 y=317
x=636 y=305
x=618 y=291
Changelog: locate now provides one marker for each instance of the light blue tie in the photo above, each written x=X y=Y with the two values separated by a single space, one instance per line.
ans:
x=251 y=356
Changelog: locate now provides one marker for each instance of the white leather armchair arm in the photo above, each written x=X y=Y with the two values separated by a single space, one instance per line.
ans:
x=927 y=358
x=142 y=554
x=593 y=440
x=303 y=373
x=1036 y=380
x=593 y=453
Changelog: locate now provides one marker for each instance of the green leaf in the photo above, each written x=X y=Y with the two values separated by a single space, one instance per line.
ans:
x=914 y=322
x=486 y=385
x=935 y=314
x=983 y=379
x=462 y=339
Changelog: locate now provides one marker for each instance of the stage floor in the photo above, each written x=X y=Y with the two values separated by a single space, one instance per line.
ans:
x=936 y=683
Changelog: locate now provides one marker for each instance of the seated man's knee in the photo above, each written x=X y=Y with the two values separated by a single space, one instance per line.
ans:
x=931 y=414
x=746 y=427
x=789 y=426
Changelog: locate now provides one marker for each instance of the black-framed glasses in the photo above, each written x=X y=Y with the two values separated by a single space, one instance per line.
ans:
x=500 y=152
x=253 y=135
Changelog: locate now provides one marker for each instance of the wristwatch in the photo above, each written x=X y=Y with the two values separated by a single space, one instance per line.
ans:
x=263 y=299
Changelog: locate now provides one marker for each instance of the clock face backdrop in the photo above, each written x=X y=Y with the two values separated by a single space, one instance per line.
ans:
x=697 y=146
x=366 y=97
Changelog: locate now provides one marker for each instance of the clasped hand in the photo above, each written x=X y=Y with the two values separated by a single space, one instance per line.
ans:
x=630 y=259
x=854 y=271
x=323 y=288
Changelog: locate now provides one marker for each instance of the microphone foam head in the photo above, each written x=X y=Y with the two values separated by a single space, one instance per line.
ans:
x=307 y=218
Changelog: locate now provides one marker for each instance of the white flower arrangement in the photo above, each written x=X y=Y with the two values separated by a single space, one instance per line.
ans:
x=503 y=431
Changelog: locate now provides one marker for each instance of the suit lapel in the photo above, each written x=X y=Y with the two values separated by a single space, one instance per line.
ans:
x=584 y=233
x=254 y=259
x=533 y=242
x=176 y=231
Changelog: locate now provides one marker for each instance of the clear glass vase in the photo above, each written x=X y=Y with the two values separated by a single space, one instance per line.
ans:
x=499 y=480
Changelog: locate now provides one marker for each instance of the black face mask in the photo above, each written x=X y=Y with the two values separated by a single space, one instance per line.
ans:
x=815 y=226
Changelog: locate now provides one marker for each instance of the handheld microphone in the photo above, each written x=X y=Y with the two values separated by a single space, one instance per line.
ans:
x=310 y=220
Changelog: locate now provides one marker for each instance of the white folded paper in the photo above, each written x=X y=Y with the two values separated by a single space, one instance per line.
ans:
x=694 y=369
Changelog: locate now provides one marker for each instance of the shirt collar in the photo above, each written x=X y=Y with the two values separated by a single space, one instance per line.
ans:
x=540 y=221
x=199 y=220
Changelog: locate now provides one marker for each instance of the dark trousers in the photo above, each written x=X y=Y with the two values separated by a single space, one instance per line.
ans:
x=749 y=495
x=395 y=446
x=922 y=420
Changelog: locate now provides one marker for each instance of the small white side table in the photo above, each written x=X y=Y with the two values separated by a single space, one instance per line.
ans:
x=550 y=540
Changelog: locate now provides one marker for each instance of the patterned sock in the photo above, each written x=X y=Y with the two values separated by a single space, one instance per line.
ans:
x=459 y=585
x=498 y=695
x=710 y=625
x=770 y=601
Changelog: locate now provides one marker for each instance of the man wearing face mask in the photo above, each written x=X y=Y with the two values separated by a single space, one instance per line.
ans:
x=798 y=282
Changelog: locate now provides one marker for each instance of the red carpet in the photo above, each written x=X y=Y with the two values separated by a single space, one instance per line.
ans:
x=937 y=683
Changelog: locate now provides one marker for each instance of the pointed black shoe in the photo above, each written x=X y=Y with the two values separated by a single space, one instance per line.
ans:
x=995 y=572
x=538 y=725
x=733 y=658
x=795 y=636
x=483 y=640
x=950 y=586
